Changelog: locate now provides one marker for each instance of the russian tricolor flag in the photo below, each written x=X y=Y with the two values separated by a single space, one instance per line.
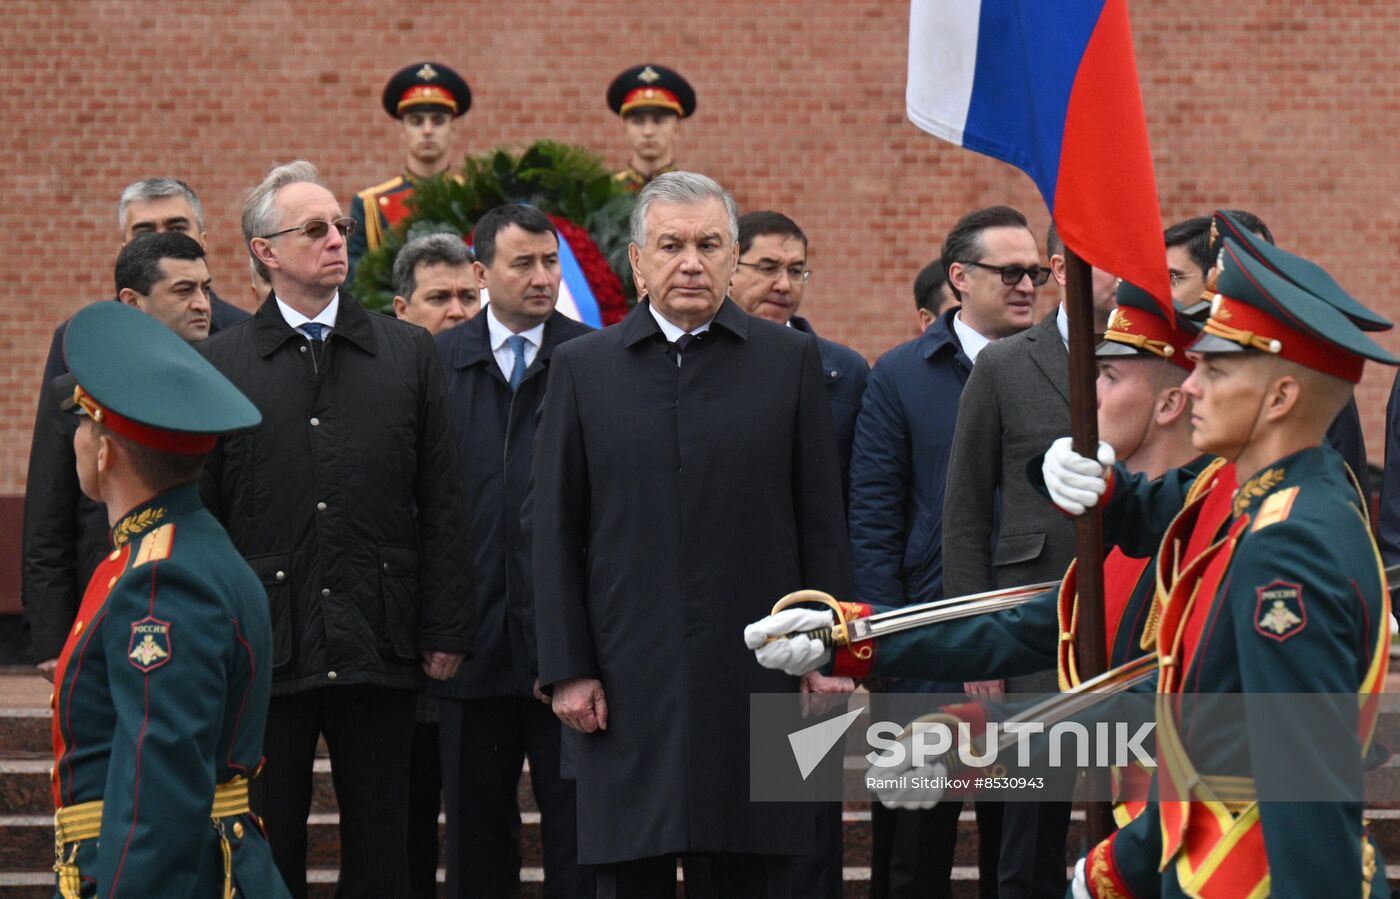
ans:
x=1051 y=88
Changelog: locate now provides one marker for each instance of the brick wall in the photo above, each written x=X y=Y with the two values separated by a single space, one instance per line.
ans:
x=1293 y=113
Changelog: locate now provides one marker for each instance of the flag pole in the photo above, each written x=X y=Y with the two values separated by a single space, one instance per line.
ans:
x=1090 y=642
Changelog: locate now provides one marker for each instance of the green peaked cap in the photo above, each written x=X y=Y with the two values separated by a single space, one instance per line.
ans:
x=134 y=366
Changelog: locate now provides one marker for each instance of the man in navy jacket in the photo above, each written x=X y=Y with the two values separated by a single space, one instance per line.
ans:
x=495 y=366
x=899 y=467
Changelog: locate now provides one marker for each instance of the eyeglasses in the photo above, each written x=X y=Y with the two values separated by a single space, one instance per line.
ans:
x=1011 y=275
x=796 y=274
x=318 y=228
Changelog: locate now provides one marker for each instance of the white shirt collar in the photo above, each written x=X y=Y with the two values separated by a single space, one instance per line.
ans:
x=972 y=341
x=673 y=331
x=1062 y=322
x=325 y=317
x=499 y=332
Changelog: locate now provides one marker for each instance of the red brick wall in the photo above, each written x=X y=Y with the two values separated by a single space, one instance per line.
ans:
x=1291 y=112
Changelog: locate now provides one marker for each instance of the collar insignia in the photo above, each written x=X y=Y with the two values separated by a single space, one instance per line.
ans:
x=1256 y=487
x=132 y=525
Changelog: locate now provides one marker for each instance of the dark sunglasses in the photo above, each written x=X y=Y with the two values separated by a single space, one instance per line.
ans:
x=318 y=228
x=1011 y=275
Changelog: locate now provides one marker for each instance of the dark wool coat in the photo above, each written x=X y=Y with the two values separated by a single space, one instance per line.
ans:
x=673 y=506
x=346 y=501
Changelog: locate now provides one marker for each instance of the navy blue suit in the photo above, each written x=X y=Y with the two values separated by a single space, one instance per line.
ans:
x=490 y=719
x=846 y=373
x=899 y=464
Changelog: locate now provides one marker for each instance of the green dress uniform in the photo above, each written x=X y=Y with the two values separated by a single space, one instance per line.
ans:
x=161 y=690
x=376 y=210
x=648 y=86
x=418 y=87
x=1292 y=599
x=632 y=181
x=1040 y=633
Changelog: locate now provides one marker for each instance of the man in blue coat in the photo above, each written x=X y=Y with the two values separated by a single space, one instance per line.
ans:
x=496 y=365
x=899 y=466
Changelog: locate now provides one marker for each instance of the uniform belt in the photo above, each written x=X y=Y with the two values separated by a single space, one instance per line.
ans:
x=1234 y=792
x=75 y=823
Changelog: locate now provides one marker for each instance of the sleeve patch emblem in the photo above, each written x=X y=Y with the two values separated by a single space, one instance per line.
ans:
x=1279 y=612
x=150 y=643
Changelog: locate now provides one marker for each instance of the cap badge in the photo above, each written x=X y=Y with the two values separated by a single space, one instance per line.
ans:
x=648 y=75
x=427 y=73
x=1120 y=321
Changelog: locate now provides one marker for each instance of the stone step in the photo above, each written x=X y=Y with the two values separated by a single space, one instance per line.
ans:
x=38 y=884
x=28 y=839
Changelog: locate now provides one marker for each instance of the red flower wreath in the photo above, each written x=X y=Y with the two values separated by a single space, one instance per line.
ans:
x=607 y=290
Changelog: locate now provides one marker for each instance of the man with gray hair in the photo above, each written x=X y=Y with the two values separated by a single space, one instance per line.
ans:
x=65 y=533
x=347 y=502
x=434 y=284
x=686 y=474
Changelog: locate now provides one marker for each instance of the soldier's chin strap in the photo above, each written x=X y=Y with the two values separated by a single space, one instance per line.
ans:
x=1259 y=409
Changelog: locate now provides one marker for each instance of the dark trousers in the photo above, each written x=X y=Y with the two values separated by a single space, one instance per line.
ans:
x=424 y=806
x=707 y=876
x=1033 y=850
x=912 y=850
x=484 y=744
x=369 y=733
x=819 y=875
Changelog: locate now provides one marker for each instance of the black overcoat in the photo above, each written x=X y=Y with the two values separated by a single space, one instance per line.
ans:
x=346 y=501
x=672 y=506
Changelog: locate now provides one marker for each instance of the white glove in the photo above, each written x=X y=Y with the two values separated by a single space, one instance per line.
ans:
x=917 y=791
x=791 y=652
x=1079 y=886
x=1076 y=483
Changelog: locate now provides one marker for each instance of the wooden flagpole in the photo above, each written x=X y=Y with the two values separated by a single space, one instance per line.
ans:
x=1090 y=642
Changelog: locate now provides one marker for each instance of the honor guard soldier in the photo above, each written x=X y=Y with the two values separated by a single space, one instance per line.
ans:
x=1142 y=414
x=425 y=97
x=1292 y=599
x=1142 y=364
x=651 y=99
x=161 y=691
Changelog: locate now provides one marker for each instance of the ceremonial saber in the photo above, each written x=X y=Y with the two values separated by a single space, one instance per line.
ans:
x=847 y=632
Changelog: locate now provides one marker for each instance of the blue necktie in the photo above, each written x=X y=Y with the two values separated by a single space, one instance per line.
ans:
x=517 y=371
x=313 y=330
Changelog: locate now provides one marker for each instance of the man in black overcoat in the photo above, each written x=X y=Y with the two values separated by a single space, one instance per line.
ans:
x=685 y=475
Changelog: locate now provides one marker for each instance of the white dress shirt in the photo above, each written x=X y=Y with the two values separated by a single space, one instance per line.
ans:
x=505 y=357
x=972 y=341
x=1062 y=322
x=673 y=331
x=325 y=318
